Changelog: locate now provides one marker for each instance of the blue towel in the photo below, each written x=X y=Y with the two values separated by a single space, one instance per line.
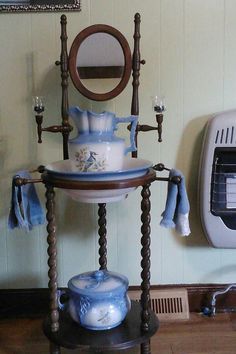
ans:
x=176 y=213
x=25 y=211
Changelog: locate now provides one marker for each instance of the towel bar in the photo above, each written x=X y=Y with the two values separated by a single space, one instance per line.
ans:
x=18 y=181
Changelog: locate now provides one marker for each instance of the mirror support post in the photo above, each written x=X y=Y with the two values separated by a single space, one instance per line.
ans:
x=65 y=128
x=136 y=65
x=136 y=72
x=64 y=85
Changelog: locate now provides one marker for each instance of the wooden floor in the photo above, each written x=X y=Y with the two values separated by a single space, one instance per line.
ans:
x=199 y=335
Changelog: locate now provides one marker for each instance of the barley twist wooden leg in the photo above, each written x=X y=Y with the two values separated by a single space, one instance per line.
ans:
x=145 y=264
x=54 y=349
x=52 y=262
x=102 y=231
x=145 y=348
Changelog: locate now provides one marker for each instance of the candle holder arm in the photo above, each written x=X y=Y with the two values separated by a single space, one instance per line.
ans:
x=147 y=128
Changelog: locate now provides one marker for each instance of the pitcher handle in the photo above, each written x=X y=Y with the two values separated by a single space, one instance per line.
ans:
x=61 y=305
x=134 y=121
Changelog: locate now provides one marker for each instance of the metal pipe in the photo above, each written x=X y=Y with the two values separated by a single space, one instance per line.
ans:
x=219 y=292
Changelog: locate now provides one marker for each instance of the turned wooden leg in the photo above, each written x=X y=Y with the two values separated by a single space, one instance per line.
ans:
x=54 y=349
x=102 y=231
x=146 y=348
x=52 y=261
x=145 y=264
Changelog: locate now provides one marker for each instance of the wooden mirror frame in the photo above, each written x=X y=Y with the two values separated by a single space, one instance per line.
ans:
x=72 y=63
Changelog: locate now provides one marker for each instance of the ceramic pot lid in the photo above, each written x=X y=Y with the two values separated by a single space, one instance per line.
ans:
x=98 y=283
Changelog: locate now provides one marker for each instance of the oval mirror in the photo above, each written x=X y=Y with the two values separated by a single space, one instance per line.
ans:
x=100 y=62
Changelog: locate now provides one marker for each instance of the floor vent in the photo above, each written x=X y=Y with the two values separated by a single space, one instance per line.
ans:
x=168 y=305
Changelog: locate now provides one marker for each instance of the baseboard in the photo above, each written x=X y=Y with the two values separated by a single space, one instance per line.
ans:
x=23 y=302
x=35 y=302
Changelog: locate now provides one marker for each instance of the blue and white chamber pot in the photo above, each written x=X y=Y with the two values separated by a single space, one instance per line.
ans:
x=98 y=300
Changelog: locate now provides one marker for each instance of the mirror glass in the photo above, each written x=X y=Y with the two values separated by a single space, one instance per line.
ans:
x=100 y=56
x=100 y=62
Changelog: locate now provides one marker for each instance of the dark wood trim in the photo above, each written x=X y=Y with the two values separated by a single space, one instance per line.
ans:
x=100 y=72
x=51 y=178
x=35 y=302
x=23 y=302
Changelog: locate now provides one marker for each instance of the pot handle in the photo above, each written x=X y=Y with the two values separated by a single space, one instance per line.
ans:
x=61 y=305
x=134 y=121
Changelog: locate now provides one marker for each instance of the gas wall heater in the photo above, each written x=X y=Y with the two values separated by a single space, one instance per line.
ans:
x=217 y=180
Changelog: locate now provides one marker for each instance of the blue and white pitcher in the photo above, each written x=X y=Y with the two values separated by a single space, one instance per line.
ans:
x=96 y=148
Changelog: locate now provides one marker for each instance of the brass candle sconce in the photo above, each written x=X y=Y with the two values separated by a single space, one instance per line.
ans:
x=39 y=108
x=158 y=105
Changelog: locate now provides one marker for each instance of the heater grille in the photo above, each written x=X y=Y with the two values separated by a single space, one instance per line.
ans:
x=168 y=305
x=225 y=135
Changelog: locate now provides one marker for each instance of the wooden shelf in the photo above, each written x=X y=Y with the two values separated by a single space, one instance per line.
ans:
x=128 y=334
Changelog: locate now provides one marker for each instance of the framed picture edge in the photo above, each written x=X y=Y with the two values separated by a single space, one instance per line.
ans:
x=16 y=7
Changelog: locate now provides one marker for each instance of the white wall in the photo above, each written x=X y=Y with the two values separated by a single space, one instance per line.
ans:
x=190 y=52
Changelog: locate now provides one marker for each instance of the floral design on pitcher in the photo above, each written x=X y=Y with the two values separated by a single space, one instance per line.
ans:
x=88 y=161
